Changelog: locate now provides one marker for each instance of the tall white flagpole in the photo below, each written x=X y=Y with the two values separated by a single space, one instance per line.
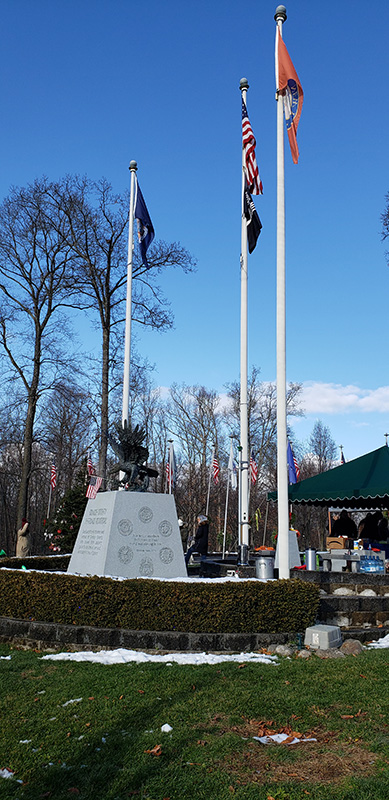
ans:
x=243 y=540
x=170 y=464
x=225 y=515
x=282 y=468
x=127 y=338
x=209 y=480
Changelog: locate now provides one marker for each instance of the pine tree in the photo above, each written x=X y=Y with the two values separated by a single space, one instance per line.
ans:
x=61 y=532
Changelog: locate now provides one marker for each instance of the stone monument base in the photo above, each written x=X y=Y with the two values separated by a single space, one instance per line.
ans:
x=129 y=535
x=294 y=554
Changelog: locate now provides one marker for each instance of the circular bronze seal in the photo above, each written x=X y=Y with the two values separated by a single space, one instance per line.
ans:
x=165 y=527
x=125 y=555
x=166 y=555
x=125 y=527
x=145 y=514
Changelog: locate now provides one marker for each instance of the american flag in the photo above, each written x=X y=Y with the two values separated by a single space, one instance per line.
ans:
x=93 y=487
x=293 y=467
x=171 y=469
x=53 y=476
x=216 y=470
x=253 y=468
x=254 y=182
x=91 y=470
x=168 y=474
x=296 y=466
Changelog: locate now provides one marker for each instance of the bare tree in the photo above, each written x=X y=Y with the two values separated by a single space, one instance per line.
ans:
x=322 y=449
x=196 y=420
x=65 y=429
x=97 y=225
x=262 y=420
x=36 y=274
x=321 y=455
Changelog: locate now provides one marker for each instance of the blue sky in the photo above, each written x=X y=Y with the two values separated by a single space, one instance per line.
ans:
x=88 y=85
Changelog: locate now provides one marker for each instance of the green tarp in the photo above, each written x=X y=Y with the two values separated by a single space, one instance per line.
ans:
x=361 y=483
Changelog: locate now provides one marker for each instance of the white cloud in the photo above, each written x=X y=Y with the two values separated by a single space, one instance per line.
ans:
x=333 y=398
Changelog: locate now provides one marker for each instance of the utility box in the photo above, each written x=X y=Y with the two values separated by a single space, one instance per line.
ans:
x=323 y=637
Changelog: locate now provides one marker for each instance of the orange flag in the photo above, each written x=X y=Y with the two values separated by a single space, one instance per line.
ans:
x=290 y=88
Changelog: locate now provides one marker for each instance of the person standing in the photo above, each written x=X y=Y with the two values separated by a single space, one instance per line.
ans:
x=344 y=526
x=200 y=544
x=23 y=543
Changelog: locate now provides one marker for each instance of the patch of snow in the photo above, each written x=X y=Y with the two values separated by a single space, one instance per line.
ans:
x=278 y=738
x=122 y=656
x=68 y=702
x=380 y=643
x=6 y=773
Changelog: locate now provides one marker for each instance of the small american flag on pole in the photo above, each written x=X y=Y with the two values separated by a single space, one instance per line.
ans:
x=91 y=470
x=168 y=474
x=93 y=487
x=216 y=470
x=254 y=183
x=253 y=468
x=53 y=476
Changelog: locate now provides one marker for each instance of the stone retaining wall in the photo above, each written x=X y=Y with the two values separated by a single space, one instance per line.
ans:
x=349 y=599
x=51 y=636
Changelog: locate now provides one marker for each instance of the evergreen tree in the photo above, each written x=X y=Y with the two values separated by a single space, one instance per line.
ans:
x=61 y=532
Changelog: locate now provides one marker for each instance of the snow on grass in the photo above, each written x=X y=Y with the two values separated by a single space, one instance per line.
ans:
x=122 y=656
x=380 y=643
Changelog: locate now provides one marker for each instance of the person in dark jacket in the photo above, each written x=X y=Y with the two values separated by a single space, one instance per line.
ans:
x=344 y=526
x=200 y=544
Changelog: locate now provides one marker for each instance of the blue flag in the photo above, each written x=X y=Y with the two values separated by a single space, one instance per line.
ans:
x=291 y=465
x=145 y=226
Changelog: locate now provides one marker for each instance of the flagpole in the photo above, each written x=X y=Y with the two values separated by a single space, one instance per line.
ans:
x=239 y=471
x=243 y=524
x=209 y=480
x=170 y=464
x=49 y=504
x=225 y=515
x=282 y=468
x=127 y=337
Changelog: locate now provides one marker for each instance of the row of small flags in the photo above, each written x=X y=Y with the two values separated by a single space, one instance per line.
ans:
x=94 y=480
x=232 y=469
x=293 y=467
x=171 y=469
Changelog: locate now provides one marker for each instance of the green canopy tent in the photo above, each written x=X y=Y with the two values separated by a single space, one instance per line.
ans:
x=361 y=483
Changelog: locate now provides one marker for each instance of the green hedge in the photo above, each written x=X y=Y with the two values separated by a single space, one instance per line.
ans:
x=55 y=562
x=244 y=607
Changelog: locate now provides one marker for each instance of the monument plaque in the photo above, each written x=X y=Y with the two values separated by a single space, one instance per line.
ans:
x=129 y=535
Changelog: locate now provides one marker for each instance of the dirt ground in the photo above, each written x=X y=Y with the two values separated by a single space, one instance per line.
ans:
x=328 y=760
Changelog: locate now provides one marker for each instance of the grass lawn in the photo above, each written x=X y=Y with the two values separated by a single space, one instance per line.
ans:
x=109 y=744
